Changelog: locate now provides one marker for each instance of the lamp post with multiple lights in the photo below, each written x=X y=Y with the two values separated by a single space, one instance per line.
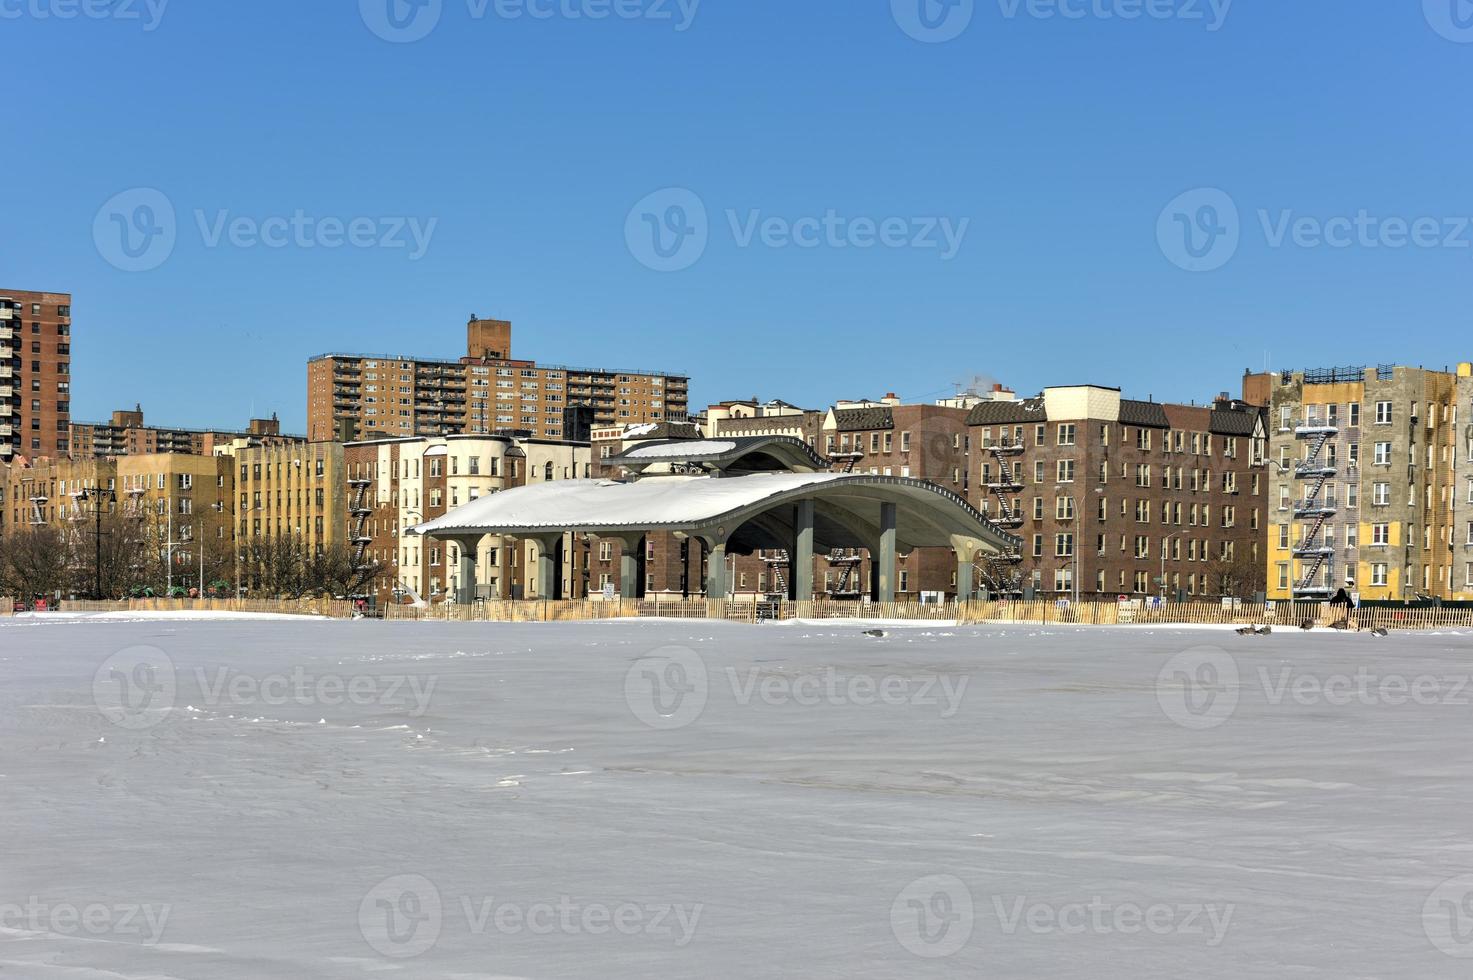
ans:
x=99 y=497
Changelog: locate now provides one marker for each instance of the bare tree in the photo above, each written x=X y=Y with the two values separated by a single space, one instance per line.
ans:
x=1239 y=576
x=276 y=565
x=334 y=570
x=36 y=561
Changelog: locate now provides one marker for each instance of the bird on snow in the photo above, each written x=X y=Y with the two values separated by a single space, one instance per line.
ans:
x=1380 y=631
x=875 y=633
x=1266 y=631
x=1307 y=625
x=1247 y=631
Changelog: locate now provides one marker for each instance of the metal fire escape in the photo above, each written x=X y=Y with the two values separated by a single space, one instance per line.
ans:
x=848 y=558
x=1000 y=571
x=1312 y=511
x=851 y=560
x=776 y=561
x=360 y=511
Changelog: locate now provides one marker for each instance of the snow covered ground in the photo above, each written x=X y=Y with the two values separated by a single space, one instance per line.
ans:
x=249 y=799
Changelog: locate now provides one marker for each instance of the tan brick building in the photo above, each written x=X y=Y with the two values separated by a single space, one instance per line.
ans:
x=125 y=434
x=177 y=506
x=35 y=373
x=1372 y=479
x=394 y=484
x=487 y=392
x=291 y=491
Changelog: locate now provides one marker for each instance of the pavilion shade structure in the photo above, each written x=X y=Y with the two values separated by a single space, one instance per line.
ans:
x=749 y=511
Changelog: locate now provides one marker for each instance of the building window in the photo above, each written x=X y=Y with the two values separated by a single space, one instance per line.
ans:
x=1383 y=413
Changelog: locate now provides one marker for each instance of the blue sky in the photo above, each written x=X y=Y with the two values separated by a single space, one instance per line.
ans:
x=521 y=147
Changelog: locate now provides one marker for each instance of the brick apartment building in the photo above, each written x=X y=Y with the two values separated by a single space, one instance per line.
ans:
x=35 y=373
x=290 y=491
x=394 y=484
x=1460 y=496
x=1372 y=479
x=127 y=435
x=486 y=392
x=179 y=498
x=883 y=437
x=889 y=438
x=1122 y=496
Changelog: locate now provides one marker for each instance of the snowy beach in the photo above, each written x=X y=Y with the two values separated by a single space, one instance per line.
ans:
x=249 y=798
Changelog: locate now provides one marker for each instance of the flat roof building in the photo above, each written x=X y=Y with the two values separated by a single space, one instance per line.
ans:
x=486 y=392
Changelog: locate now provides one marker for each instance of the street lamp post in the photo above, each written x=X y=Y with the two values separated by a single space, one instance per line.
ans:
x=99 y=497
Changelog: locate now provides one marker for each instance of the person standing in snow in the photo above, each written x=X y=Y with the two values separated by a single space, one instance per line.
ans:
x=1344 y=600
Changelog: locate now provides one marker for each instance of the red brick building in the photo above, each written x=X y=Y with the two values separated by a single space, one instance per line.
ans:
x=486 y=392
x=1122 y=496
x=35 y=373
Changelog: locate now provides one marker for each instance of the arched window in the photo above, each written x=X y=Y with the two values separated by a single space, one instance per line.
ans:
x=547 y=471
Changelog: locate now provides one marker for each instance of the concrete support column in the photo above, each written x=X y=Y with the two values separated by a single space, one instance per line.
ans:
x=716 y=568
x=547 y=569
x=465 y=592
x=963 y=578
x=885 y=560
x=629 y=555
x=801 y=567
x=966 y=552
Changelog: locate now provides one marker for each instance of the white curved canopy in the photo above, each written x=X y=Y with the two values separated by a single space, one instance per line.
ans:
x=588 y=504
x=848 y=508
